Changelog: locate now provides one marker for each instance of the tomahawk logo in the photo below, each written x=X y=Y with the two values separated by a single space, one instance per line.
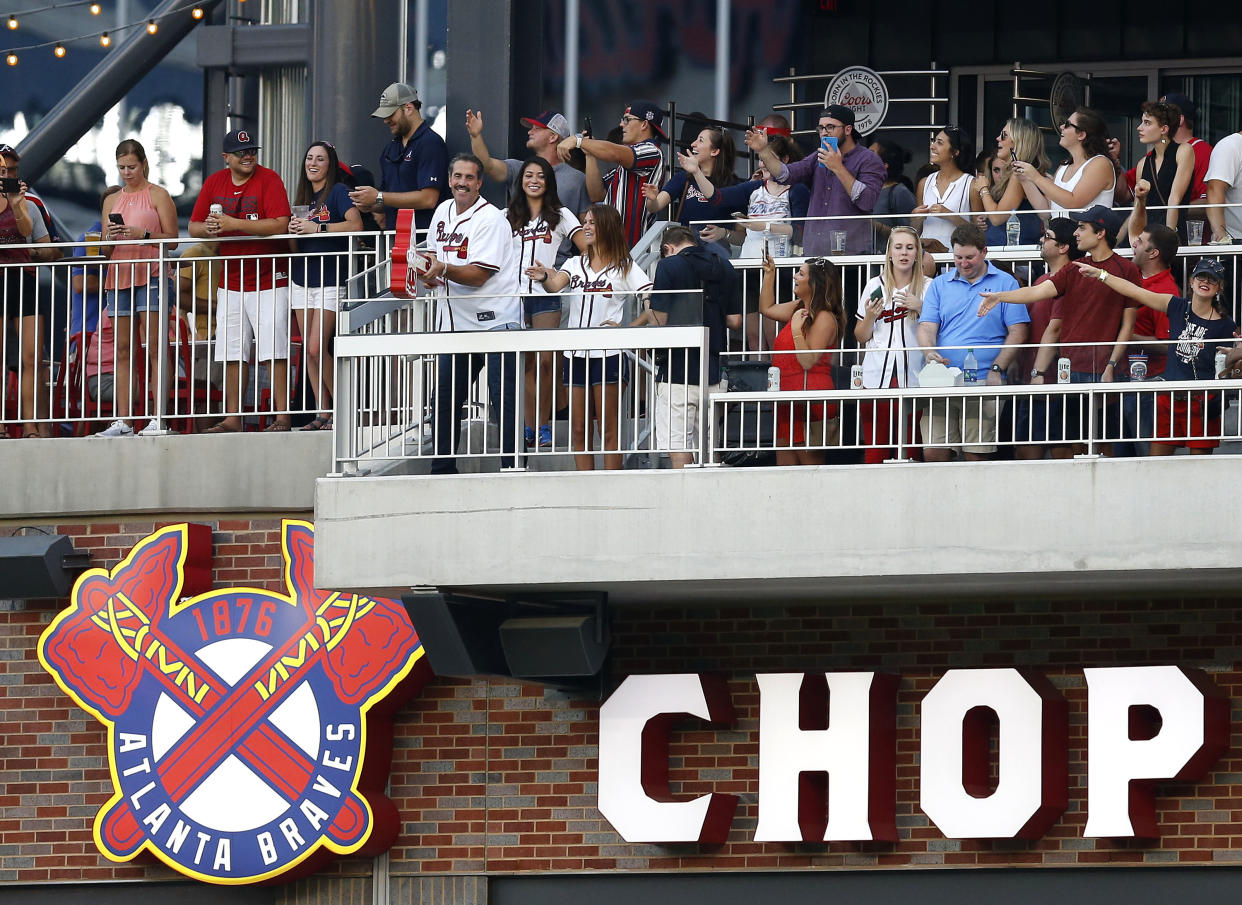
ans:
x=249 y=733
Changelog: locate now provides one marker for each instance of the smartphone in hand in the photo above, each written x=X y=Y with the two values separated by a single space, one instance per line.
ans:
x=116 y=219
x=10 y=185
x=828 y=141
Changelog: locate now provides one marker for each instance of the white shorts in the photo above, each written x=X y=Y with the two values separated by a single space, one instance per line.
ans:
x=259 y=316
x=325 y=297
x=677 y=414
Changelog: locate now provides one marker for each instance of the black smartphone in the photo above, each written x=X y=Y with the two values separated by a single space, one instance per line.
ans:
x=116 y=219
x=10 y=185
x=586 y=126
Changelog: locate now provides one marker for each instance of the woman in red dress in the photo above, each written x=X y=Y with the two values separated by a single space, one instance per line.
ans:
x=813 y=322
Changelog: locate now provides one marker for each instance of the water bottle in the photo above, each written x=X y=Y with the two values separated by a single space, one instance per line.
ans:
x=774 y=379
x=767 y=241
x=970 y=367
x=1013 y=230
x=1221 y=357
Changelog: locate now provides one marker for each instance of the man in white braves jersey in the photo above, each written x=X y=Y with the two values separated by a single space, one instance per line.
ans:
x=477 y=270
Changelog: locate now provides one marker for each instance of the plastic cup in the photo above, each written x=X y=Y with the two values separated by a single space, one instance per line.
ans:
x=92 y=243
x=1194 y=232
x=300 y=211
x=837 y=240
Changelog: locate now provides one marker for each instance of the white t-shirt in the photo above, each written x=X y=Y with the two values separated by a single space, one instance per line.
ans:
x=893 y=332
x=1226 y=165
x=600 y=296
x=1105 y=197
x=536 y=244
x=956 y=198
x=765 y=205
x=480 y=235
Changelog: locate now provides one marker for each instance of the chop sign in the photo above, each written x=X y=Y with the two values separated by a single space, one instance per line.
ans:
x=837 y=783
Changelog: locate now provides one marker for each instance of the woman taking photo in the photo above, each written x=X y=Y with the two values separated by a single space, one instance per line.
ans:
x=887 y=327
x=705 y=169
x=1019 y=140
x=140 y=210
x=813 y=322
x=540 y=225
x=602 y=280
x=947 y=191
x=321 y=266
x=1198 y=328
x=1087 y=180
x=1168 y=167
x=20 y=224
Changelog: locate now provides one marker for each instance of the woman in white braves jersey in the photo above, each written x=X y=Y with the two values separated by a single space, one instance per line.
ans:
x=540 y=224
x=601 y=282
x=887 y=327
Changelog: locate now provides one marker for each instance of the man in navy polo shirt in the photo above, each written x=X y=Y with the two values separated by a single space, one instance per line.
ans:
x=414 y=165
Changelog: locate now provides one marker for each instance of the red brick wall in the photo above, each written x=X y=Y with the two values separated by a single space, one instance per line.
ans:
x=492 y=775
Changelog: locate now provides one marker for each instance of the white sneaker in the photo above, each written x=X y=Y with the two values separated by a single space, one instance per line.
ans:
x=153 y=429
x=116 y=429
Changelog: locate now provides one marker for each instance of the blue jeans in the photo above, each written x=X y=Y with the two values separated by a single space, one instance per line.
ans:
x=455 y=374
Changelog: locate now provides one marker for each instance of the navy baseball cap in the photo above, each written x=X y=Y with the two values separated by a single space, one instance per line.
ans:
x=842 y=114
x=1189 y=108
x=240 y=140
x=1211 y=268
x=1100 y=217
x=651 y=113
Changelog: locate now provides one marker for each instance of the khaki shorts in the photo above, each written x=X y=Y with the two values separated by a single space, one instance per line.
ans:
x=966 y=424
x=677 y=414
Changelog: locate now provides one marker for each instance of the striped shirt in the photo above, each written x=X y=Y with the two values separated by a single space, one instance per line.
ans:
x=625 y=189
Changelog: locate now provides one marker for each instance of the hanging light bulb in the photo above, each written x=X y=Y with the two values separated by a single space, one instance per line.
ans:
x=105 y=40
x=152 y=28
x=11 y=59
x=12 y=22
x=95 y=9
x=59 y=50
x=197 y=12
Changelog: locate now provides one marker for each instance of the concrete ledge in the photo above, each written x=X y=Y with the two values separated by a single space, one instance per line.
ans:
x=1011 y=528
x=71 y=477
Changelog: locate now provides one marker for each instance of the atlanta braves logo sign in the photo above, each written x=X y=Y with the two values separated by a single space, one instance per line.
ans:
x=249 y=732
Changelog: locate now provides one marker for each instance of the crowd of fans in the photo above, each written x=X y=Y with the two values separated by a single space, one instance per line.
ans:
x=559 y=255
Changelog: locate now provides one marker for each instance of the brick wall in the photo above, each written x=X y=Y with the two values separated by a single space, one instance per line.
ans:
x=496 y=776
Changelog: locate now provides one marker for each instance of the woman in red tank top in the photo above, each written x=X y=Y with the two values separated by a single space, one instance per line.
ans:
x=140 y=210
x=813 y=322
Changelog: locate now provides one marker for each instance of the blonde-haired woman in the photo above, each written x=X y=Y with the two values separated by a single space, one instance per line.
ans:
x=1019 y=140
x=887 y=327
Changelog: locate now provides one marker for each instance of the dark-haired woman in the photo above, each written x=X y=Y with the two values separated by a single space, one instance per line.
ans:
x=322 y=266
x=540 y=225
x=813 y=323
x=140 y=210
x=1167 y=166
x=897 y=194
x=1088 y=179
x=603 y=279
x=947 y=191
x=706 y=168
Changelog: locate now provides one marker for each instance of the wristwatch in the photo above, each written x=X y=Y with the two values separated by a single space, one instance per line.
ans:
x=1036 y=372
x=379 y=198
x=997 y=368
x=1112 y=364
x=578 y=140
x=1102 y=276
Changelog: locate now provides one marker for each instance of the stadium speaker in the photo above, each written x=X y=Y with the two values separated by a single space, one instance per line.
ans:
x=543 y=647
x=34 y=566
x=460 y=635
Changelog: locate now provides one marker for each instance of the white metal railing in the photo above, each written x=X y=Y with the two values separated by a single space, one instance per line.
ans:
x=86 y=361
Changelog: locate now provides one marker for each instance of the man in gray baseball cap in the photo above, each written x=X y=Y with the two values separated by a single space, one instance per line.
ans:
x=413 y=166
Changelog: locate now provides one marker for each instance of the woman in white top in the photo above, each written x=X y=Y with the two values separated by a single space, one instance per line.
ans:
x=1088 y=179
x=541 y=223
x=947 y=191
x=887 y=327
x=603 y=280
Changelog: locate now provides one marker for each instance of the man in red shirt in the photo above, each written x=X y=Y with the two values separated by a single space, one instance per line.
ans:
x=252 y=305
x=1090 y=322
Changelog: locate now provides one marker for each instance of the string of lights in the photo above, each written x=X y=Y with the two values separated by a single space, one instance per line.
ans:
x=60 y=46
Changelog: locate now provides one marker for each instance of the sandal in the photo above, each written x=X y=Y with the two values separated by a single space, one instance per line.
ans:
x=317 y=425
x=276 y=427
x=220 y=428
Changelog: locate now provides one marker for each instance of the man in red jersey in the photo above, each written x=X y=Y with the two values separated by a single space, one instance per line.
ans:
x=252 y=306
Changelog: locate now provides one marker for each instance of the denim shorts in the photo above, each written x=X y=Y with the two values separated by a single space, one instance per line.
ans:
x=127 y=302
x=581 y=372
x=540 y=304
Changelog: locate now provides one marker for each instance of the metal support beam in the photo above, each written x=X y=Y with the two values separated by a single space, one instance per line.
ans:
x=104 y=86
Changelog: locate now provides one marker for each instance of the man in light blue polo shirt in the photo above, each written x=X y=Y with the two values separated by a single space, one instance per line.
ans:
x=950 y=317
